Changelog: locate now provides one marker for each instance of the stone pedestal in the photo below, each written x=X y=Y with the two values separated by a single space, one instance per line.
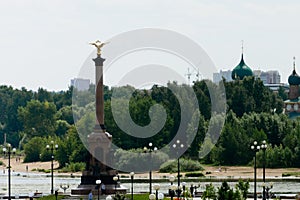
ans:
x=99 y=145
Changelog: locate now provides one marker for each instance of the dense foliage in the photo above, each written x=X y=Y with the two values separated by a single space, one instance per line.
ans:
x=32 y=119
x=224 y=192
x=186 y=165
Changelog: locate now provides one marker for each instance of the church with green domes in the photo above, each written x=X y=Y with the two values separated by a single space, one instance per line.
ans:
x=292 y=105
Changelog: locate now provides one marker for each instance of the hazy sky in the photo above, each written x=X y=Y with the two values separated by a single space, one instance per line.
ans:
x=44 y=43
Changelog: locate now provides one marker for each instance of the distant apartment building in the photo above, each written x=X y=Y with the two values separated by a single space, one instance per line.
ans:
x=268 y=77
x=80 y=83
x=217 y=77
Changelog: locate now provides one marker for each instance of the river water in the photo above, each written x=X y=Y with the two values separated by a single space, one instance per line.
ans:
x=28 y=183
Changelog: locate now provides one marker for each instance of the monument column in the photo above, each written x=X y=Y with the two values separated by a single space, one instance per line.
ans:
x=99 y=93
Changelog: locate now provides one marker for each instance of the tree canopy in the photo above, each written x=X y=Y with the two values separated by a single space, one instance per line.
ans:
x=253 y=113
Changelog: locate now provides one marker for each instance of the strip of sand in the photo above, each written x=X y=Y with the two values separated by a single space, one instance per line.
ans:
x=17 y=165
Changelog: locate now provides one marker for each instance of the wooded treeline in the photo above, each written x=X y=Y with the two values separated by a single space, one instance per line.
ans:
x=32 y=119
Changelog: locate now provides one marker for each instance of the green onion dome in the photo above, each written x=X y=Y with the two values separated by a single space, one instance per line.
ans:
x=241 y=70
x=294 y=79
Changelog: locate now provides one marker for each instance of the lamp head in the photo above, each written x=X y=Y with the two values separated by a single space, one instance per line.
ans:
x=173 y=187
x=108 y=197
x=151 y=196
x=160 y=196
x=258 y=147
x=115 y=178
x=171 y=178
x=156 y=186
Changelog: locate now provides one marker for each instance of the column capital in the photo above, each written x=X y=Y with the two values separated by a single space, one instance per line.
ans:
x=99 y=61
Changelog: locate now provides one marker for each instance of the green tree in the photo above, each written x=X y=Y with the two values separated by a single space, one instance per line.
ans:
x=243 y=187
x=71 y=149
x=43 y=95
x=33 y=148
x=209 y=192
x=38 y=118
x=65 y=113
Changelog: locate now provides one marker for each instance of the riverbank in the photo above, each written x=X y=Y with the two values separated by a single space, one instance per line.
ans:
x=17 y=165
x=24 y=182
x=244 y=172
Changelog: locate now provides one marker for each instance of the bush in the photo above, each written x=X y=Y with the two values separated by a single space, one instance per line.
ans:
x=243 y=187
x=135 y=159
x=286 y=174
x=1 y=163
x=73 y=167
x=41 y=170
x=194 y=174
x=209 y=192
x=169 y=166
x=186 y=165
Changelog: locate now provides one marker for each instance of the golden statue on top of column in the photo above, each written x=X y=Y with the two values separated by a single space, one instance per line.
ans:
x=98 y=45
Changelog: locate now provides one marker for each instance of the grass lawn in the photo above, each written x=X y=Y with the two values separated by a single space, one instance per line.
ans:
x=51 y=197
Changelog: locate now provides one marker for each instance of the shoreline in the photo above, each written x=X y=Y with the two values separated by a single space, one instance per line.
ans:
x=210 y=172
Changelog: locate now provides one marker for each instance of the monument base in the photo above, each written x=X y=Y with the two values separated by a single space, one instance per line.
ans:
x=99 y=143
x=88 y=183
x=109 y=189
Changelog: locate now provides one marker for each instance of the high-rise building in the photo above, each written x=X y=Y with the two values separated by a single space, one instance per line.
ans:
x=268 y=77
x=80 y=83
x=217 y=77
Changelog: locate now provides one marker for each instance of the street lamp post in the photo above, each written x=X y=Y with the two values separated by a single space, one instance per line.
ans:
x=131 y=175
x=98 y=182
x=52 y=147
x=264 y=147
x=115 y=178
x=9 y=151
x=151 y=149
x=255 y=148
x=183 y=188
x=156 y=188
x=171 y=191
x=268 y=192
x=178 y=145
